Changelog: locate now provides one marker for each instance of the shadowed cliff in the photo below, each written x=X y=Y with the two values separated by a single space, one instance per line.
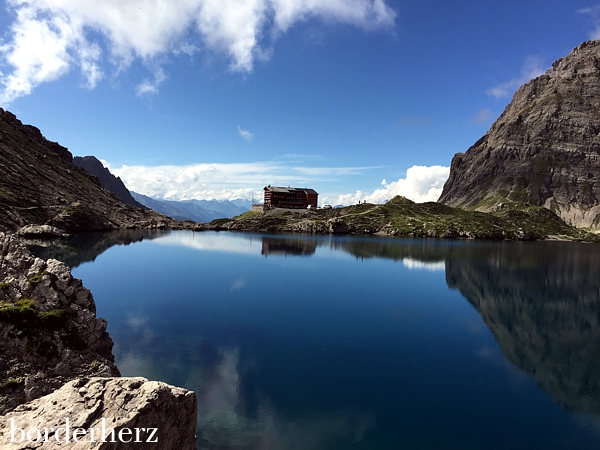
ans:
x=40 y=185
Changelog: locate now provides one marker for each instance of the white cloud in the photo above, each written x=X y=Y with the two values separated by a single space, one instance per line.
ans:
x=422 y=184
x=245 y=134
x=151 y=87
x=49 y=37
x=594 y=13
x=224 y=181
x=532 y=68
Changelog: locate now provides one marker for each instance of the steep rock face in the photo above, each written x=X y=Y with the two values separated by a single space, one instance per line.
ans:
x=114 y=184
x=133 y=407
x=544 y=149
x=40 y=185
x=49 y=333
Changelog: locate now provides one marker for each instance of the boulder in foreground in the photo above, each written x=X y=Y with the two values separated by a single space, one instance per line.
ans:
x=157 y=415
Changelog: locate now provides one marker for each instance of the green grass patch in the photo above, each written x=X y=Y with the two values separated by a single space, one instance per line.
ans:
x=23 y=305
x=56 y=318
x=220 y=222
x=22 y=313
x=73 y=209
x=3 y=285
x=11 y=383
x=35 y=279
x=247 y=215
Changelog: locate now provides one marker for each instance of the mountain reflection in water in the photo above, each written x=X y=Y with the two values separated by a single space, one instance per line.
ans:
x=539 y=300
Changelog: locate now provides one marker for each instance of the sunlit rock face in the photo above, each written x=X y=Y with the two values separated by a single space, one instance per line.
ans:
x=546 y=322
x=142 y=413
x=544 y=149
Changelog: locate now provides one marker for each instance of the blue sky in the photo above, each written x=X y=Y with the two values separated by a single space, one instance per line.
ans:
x=217 y=98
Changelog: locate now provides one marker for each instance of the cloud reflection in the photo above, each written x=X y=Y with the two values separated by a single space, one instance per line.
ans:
x=223 y=424
x=232 y=413
x=238 y=284
x=213 y=242
x=415 y=264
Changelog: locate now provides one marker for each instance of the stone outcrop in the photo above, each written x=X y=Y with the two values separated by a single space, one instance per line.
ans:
x=39 y=185
x=543 y=150
x=40 y=231
x=49 y=333
x=133 y=407
x=94 y=167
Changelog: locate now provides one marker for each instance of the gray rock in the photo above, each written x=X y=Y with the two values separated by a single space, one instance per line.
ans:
x=48 y=326
x=544 y=149
x=40 y=231
x=131 y=406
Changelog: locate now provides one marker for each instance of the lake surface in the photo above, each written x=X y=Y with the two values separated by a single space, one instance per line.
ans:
x=300 y=342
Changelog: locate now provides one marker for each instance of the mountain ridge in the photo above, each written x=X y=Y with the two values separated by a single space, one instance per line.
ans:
x=196 y=210
x=39 y=184
x=93 y=166
x=544 y=150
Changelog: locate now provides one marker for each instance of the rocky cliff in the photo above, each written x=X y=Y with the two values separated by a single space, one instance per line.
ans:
x=56 y=364
x=114 y=184
x=49 y=332
x=40 y=185
x=544 y=149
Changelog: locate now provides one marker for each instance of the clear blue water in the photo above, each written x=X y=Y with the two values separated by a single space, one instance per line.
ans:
x=296 y=342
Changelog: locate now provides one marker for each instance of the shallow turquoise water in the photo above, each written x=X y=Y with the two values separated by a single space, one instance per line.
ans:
x=295 y=342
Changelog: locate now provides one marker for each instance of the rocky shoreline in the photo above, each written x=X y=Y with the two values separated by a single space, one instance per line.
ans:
x=404 y=218
x=50 y=336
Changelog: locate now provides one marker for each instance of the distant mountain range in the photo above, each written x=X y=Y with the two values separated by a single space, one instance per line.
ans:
x=538 y=166
x=196 y=210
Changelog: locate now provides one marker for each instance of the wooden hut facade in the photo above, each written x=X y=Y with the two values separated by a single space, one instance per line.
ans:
x=292 y=198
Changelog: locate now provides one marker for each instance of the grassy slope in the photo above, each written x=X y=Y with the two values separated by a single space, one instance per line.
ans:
x=402 y=217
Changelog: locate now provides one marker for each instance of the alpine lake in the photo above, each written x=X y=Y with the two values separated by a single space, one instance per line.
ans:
x=295 y=342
